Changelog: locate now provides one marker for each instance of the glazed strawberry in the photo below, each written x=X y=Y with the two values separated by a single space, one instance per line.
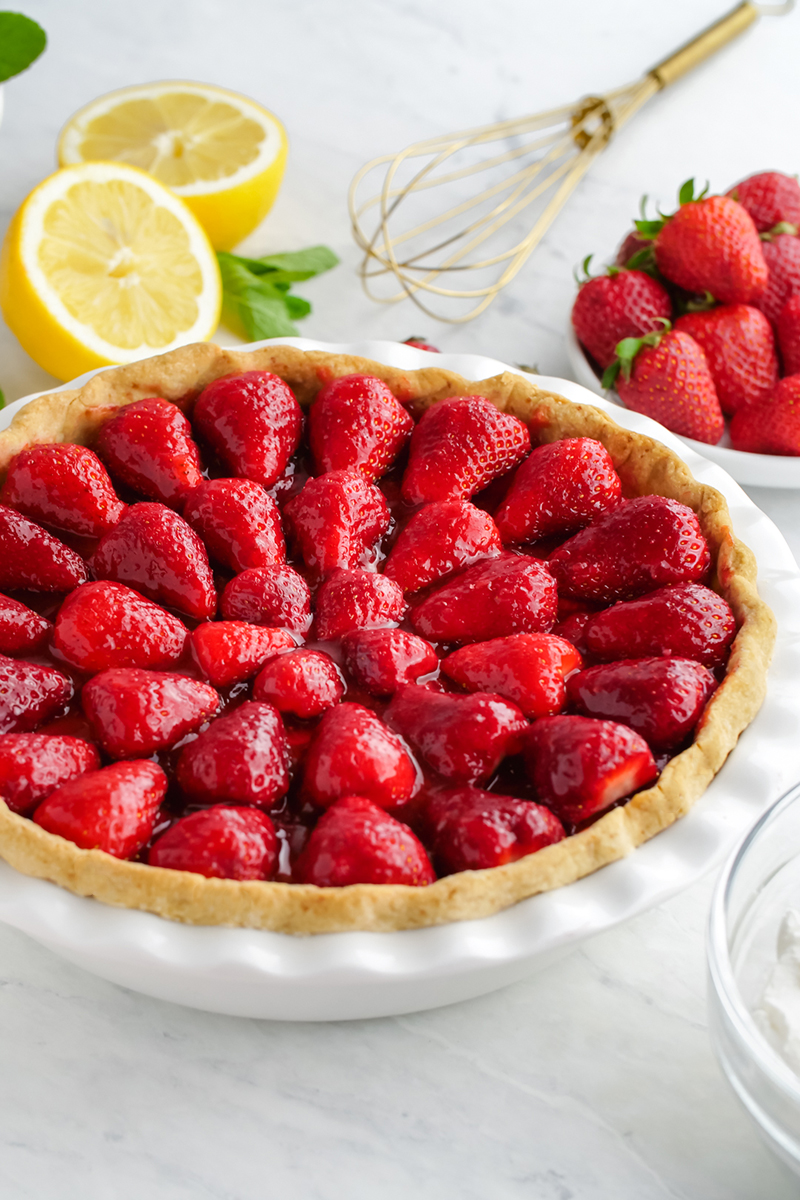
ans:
x=572 y=629
x=661 y=698
x=154 y=551
x=442 y=537
x=665 y=376
x=133 y=713
x=113 y=809
x=618 y=305
x=32 y=765
x=34 y=559
x=22 y=631
x=239 y=523
x=302 y=682
x=512 y=594
x=380 y=660
x=773 y=427
x=788 y=327
x=471 y=830
x=252 y=421
x=581 y=766
x=268 y=596
x=148 y=446
x=356 y=600
x=527 y=668
x=242 y=758
x=355 y=841
x=30 y=695
x=782 y=256
x=647 y=543
x=352 y=747
x=558 y=489
x=65 y=486
x=464 y=738
x=357 y=424
x=229 y=652
x=220 y=843
x=460 y=445
x=421 y=344
x=688 y=620
x=336 y=520
x=739 y=346
x=770 y=198
x=102 y=625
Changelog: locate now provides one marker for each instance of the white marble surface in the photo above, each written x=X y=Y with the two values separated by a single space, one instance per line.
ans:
x=594 y=1078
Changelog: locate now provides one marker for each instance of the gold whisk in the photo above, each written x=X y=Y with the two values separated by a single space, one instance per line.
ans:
x=548 y=154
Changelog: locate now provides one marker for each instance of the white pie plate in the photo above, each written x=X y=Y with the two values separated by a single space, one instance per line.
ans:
x=349 y=975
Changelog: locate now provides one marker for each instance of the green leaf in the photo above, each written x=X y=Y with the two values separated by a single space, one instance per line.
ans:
x=294 y=266
x=21 y=42
x=256 y=293
x=2 y=398
x=686 y=193
x=649 y=229
x=610 y=375
x=297 y=307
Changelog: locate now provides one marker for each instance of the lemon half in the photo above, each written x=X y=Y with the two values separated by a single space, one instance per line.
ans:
x=103 y=265
x=222 y=153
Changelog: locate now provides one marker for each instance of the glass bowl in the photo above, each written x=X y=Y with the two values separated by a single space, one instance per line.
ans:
x=759 y=883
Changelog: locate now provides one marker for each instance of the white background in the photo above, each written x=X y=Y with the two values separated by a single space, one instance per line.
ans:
x=595 y=1078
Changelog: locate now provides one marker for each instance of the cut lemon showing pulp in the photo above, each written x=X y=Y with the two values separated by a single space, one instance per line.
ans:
x=103 y=265
x=222 y=153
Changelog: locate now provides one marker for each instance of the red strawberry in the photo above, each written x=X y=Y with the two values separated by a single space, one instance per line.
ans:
x=512 y=594
x=102 y=625
x=772 y=427
x=559 y=489
x=32 y=765
x=133 y=713
x=661 y=698
x=380 y=660
x=302 y=682
x=739 y=346
x=336 y=520
x=65 y=486
x=269 y=596
x=154 y=551
x=22 y=631
x=580 y=767
x=239 y=523
x=464 y=738
x=711 y=245
x=572 y=628
x=148 y=446
x=688 y=620
x=782 y=256
x=421 y=344
x=113 y=809
x=789 y=335
x=618 y=305
x=357 y=424
x=770 y=198
x=665 y=376
x=459 y=446
x=34 y=559
x=231 y=651
x=441 y=538
x=471 y=830
x=252 y=421
x=356 y=600
x=30 y=695
x=353 y=748
x=220 y=843
x=242 y=758
x=528 y=668
x=646 y=543
x=355 y=841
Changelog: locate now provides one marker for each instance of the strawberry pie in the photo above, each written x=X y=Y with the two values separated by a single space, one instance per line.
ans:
x=300 y=642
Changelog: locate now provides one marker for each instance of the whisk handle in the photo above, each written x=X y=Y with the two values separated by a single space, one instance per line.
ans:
x=705 y=44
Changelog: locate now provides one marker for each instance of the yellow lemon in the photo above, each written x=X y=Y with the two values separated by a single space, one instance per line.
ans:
x=222 y=153
x=103 y=265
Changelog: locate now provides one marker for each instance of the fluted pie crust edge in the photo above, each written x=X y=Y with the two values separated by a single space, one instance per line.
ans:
x=644 y=465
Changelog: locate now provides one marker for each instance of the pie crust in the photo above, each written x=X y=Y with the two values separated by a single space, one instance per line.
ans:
x=644 y=465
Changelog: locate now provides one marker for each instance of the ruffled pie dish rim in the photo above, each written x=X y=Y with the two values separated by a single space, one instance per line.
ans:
x=645 y=466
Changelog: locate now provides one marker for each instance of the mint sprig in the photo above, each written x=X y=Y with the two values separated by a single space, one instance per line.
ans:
x=21 y=42
x=256 y=291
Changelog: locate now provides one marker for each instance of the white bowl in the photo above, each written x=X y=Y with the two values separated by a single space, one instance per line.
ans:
x=348 y=975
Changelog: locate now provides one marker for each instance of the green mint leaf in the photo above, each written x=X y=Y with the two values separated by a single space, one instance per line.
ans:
x=21 y=42
x=256 y=294
x=297 y=307
x=294 y=266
